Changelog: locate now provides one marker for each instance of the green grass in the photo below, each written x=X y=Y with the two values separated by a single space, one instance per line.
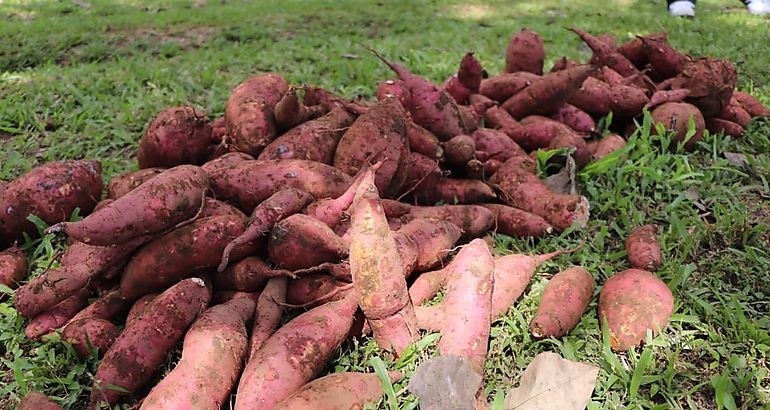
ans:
x=83 y=82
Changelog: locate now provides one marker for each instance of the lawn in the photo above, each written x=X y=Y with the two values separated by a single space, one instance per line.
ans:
x=81 y=80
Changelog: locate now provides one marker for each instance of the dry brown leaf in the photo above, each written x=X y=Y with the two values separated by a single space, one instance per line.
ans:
x=551 y=382
x=565 y=181
x=445 y=383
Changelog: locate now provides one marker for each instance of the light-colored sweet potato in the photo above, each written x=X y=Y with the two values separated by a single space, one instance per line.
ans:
x=268 y=314
x=599 y=98
x=503 y=86
x=176 y=136
x=38 y=401
x=605 y=146
x=751 y=104
x=88 y=333
x=301 y=241
x=643 y=248
x=346 y=390
x=717 y=125
x=291 y=111
x=314 y=140
x=249 y=112
x=676 y=117
x=525 y=52
x=565 y=299
x=57 y=316
x=607 y=55
x=249 y=275
x=574 y=118
x=548 y=93
x=517 y=223
x=13 y=267
x=127 y=181
x=632 y=302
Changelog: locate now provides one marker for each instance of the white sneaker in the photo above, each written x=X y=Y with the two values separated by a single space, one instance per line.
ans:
x=684 y=8
x=759 y=7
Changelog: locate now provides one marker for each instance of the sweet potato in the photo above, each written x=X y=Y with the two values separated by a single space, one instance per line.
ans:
x=127 y=181
x=711 y=82
x=391 y=89
x=212 y=359
x=290 y=111
x=328 y=100
x=218 y=130
x=87 y=333
x=223 y=296
x=278 y=206
x=717 y=125
x=503 y=86
x=423 y=243
x=162 y=202
x=13 y=267
x=58 y=315
x=676 y=117
x=607 y=55
x=422 y=141
x=609 y=76
x=191 y=250
x=314 y=140
x=142 y=346
x=751 y=104
x=735 y=113
x=139 y=307
x=331 y=210
x=467 y=79
x=216 y=166
x=643 y=248
x=248 y=275
x=599 y=98
x=565 y=299
x=548 y=93
x=634 y=51
x=665 y=61
x=632 y=302
x=459 y=150
x=38 y=401
x=574 y=118
x=295 y=354
x=471 y=116
x=421 y=168
x=176 y=136
x=581 y=154
x=249 y=112
x=346 y=390
x=108 y=306
x=248 y=183
x=605 y=146
x=214 y=207
x=301 y=241
x=51 y=192
x=517 y=223
x=473 y=220
x=268 y=313
x=498 y=118
x=525 y=52
x=524 y=190
x=315 y=289
x=664 y=96
x=563 y=63
x=539 y=132
x=377 y=271
x=495 y=144
x=460 y=191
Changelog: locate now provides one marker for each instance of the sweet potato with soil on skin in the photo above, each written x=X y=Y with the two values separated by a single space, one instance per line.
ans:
x=143 y=345
x=57 y=315
x=331 y=211
x=606 y=146
x=421 y=168
x=160 y=203
x=268 y=313
x=314 y=140
x=711 y=82
x=609 y=76
x=278 y=206
x=574 y=118
x=498 y=118
x=339 y=270
x=459 y=150
x=632 y=302
x=663 y=96
x=605 y=38
x=503 y=86
x=295 y=354
x=473 y=220
x=517 y=223
x=422 y=141
x=461 y=191
x=751 y=104
x=735 y=113
x=223 y=296
x=524 y=190
x=548 y=93
x=248 y=183
x=427 y=286
x=643 y=248
x=346 y=390
x=301 y=241
x=227 y=161
x=665 y=61
x=581 y=154
x=218 y=130
x=193 y=249
x=565 y=299
x=467 y=79
x=315 y=289
x=176 y=136
x=424 y=243
x=212 y=359
x=214 y=207
x=717 y=125
x=127 y=181
x=249 y=275
x=101 y=204
x=633 y=50
x=599 y=98
x=563 y=63
x=139 y=307
x=328 y=100
x=676 y=117
x=607 y=55
x=109 y=306
x=495 y=144
x=393 y=88
x=13 y=267
x=472 y=116
x=291 y=111
x=525 y=52
x=87 y=333
x=50 y=191
x=536 y=132
x=249 y=112
x=38 y=401
x=377 y=135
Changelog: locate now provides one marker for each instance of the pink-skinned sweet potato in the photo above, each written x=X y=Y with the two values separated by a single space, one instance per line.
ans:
x=459 y=150
x=295 y=354
x=278 y=206
x=609 y=76
x=632 y=302
x=315 y=289
x=574 y=118
x=495 y=144
x=214 y=207
x=735 y=113
x=227 y=161
x=268 y=313
x=473 y=220
x=471 y=116
x=565 y=299
x=91 y=332
x=212 y=359
x=339 y=270
x=328 y=100
x=347 y=390
x=301 y=241
x=456 y=90
x=58 y=315
x=548 y=93
x=599 y=98
x=314 y=140
x=633 y=49
x=51 y=192
x=143 y=345
x=193 y=249
x=218 y=130
x=424 y=243
x=160 y=203
x=379 y=135
x=332 y=210
x=127 y=181
x=676 y=117
x=664 y=96
x=517 y=223
x=607 y=55
x=665 y=61
x=248 y=275
x=717 y=125
x=581 y=154
x=377 y=271
x=109 y=306
x=248 y=183
x=450 y=190
x=249 y=112
x=393 y=89
x=13 y=267
x=536 y=132
x=467 y=79
x=525 y=52
x=223 y=296
x=498 y=118
x=426 y=286
x=751 y=104
x=176 y=136
x=643 y=248
x=139 y=307
x=605 y=146
x=423 y=141
x=38 y=401
x=291 y=111
x=563 y=63
x=501 y=87
x=520 y=188
x=79 y=264
x=711 y=82
x=421 y=168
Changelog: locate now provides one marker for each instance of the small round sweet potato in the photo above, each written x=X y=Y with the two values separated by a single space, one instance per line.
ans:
x=525 y=52
x=38 y=401
x=459 y=150
x=676 y=117
x=90 y=332
x=643 y=248
x=13 y=267
x=178 y=135
x=606 y=146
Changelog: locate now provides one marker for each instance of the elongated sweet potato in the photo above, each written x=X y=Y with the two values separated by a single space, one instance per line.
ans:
x=581 y=154
x=328 y=100
x=38 y=401
x=574 y=118
x=607 y=55
x=643 y=248
x=495 y=144
x=315 y=289
x=427 y=286
x=90 y=332
x=609 y=76
x=503 y=86
x=51 y=191
x=423 y=141
x=314 y=140
x=676 y=117
x=421 y=168
x=751 y=104
x=717 y=125
x=291 y=111
x=13 y=267
x=423 y=243
x=665 y=61
x=160 y=203
x=346 y=390
x=467 y=79
x=214 y=207
x=393 y=88
x=142 y=346
x=459 y=150
x=632 y=302
x=498 y=118
x=109 y=306
x=191 y=250
x=563 y=63
x=633 y=49
x=139 y=307
x=301 y=241
x=536 y=132
x=473 y=220
x=212 y=359
x=460 y=191
x=176 y=136
x=605 y=146
x=599 y=98
x=268 y=314
x=217 y=166
x=517 y=223
x=711 y=82
x=58 y=315
x=127 y=181
x=295 y=354
x=331 y=210
x=565 y=299
x=664 y=96
x=525 y=52
x=249 y=275
x=249 y=112
x=735 y=113
x=548 y=93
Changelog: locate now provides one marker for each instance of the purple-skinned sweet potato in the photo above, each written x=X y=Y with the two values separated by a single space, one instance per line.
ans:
x=473 y=220
x=717 y=125
x=176 y=136
x=315 y=289
x=249 y=112
x=291 y=111
x=13 y=267
x=565 y=299
x=665 y=61
x=563 y=63
x=525 y=52
x=109 y=306
x=517 y=223
x=314 y=140
x=424 y=243
x=127 y=181
x=536 y=132
x=735 y=113
x=214 y=207
x=664 y=96
x=58 y=315
x=248 y=275
x=459 y=150
x=268 y=313
x=751 y=104
x=328 y=100
x=548 y=93
x=575 y=118
x=347 y=390
x=495 y=144
x=38 y=401
x=90 y=332
x=711 y=82
x=599 y=98
x=224 y=162
x=605 y=146
x=581 y=154
x=607 y=55
x=676 y=117
x=301 y=241
x=467 y=79
x=501 y=87
x=218 y=130
x=393 y=89
x=450 y=190
x=139 y=307
x=643 y=248
x=423 y=141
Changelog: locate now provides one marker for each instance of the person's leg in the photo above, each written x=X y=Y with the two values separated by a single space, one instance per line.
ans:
x=681 y=8
x=758 y=7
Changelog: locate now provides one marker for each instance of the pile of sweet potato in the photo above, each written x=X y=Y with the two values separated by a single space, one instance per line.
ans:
x=299 y=200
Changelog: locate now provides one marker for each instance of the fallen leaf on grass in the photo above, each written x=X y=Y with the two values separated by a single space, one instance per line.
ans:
x=551 y=382
x=565 y=181
x=445 y=383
